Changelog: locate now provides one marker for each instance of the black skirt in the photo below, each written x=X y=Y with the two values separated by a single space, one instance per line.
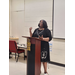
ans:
x=45 y=53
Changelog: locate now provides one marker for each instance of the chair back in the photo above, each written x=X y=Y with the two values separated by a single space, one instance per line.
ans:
x=12 y=46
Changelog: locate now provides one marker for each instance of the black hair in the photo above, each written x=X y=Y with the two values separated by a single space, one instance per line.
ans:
x=44 y=24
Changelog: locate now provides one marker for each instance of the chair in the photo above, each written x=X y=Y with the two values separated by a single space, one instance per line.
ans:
x=13 y=48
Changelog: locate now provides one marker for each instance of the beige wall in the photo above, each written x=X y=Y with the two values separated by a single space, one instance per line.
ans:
x=10 y=17
x=28 y=13
x=35 y=10
x=58 y=51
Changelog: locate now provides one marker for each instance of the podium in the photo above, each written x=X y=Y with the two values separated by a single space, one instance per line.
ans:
x=34 y=56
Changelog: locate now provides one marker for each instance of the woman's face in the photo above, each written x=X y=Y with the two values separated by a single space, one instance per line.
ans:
x=41 y=24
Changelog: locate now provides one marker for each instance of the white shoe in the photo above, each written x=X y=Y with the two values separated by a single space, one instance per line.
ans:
x=46 y=74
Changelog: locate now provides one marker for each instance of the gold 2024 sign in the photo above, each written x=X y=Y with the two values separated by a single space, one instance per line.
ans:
x=28 y=45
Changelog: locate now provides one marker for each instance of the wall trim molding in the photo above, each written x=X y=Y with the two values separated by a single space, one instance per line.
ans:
x=56 y=63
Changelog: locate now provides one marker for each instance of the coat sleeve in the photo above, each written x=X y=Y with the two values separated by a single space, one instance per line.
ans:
x=48 y=32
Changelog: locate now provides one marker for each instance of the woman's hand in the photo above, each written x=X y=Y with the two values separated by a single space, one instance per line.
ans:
x=45 y=39
x=41 y=37
x=30 y=29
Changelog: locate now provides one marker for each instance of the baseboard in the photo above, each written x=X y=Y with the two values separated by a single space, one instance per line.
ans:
x=54 y=63
x=58 y=64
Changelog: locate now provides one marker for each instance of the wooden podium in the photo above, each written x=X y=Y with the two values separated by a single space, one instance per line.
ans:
x=34 y=56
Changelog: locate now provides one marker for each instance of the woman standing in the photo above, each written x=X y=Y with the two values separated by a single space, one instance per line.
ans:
x=43 y=33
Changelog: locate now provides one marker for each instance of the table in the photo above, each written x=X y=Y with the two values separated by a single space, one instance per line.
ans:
x=13 y=38
x=20 y=46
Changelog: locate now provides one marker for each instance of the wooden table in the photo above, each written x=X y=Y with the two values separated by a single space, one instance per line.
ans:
x=15 y=38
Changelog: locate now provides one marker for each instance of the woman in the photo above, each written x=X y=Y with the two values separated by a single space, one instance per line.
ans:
x=43 y=33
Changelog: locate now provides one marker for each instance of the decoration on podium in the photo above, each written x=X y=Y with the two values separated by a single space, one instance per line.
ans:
x=28 y=44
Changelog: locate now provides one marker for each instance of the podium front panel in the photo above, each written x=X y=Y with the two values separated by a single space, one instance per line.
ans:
x=31 y=61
